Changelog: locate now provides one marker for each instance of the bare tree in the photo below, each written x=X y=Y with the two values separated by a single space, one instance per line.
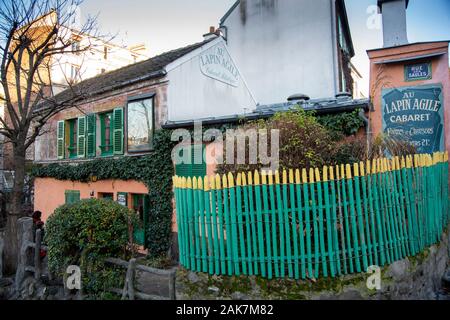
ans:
x=34 y=34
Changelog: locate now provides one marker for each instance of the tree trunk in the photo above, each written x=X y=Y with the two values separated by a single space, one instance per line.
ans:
x=15 y=211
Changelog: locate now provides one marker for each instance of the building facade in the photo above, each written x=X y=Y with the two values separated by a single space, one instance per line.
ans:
x=124 y=109
x=410 y=85
x=61 y=71
x=276 y=43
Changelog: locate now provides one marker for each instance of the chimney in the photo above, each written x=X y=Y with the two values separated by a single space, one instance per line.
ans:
x=213 y=33
x=394 y=22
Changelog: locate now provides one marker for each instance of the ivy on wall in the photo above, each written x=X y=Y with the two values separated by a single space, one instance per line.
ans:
x=155 y=170
x=346 y=123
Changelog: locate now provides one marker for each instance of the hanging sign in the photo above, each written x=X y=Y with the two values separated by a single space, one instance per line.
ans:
x=216 y=63
x=415 y=114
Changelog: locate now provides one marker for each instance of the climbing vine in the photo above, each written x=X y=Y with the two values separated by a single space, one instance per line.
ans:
x=345 y=123
x=155 y=170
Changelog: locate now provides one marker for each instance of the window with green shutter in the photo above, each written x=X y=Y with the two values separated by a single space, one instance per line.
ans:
x=192 y=169
x=106 y=129
x=91 y=142
x=118 y=131
x=81 y=137
x=60 y=144
x=73 y=138
x=72 y=196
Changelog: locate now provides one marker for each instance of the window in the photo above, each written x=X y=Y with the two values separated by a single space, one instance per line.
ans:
x=72 y=196
x=72 y=143
x=76 y=47
x=106 y=196
x=75 y=73
x=77 y=136
x=140 y=125
x=196 y=167
x=106 y=145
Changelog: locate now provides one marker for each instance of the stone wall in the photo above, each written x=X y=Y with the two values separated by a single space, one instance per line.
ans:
x=416 y=277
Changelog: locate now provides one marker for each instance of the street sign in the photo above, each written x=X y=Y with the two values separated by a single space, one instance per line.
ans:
x=421 y=71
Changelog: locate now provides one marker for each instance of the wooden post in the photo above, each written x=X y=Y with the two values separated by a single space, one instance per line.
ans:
x=128 y=288
x=37 y=255
x=172 y=292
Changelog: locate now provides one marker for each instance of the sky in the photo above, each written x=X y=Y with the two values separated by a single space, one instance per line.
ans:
x=169 y=24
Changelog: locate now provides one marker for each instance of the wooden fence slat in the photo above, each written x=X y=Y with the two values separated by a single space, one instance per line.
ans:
x=293 y=211
x=240 y=222
x=356 y=248
x=254 y=258
x=329 y=222
x=266 y=213
x=320 y=207
x=226 y=213
x=359 y=216
x=247 y=225
x=259 y=220
x=209 y=229
x=233 y=226
x=307 y=221
x=202 y=229
x=287 y=226
x=220 y=224
x=280 y=225
x=274 y=226
x=301 y=227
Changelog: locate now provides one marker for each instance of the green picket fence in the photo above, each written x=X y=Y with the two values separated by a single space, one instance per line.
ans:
x=307 y=224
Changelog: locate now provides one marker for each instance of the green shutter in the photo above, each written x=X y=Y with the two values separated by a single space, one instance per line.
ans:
x=72 y=196
x=91 y=135
x=192 y=169
x=81 y=136
x=198 y=169
x=118 y=131
x=60 y=145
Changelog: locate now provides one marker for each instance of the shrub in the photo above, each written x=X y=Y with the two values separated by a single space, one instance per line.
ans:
x=304 y=142
x=83 y=234
x=354 y=148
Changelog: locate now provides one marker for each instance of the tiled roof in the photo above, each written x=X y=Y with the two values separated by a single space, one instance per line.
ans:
x=144 y=70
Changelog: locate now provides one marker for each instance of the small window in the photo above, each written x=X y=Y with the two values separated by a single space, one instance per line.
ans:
x=72 y=196
x=106 y=196
x=140 y=125
x=75 y=73
x=106 y=145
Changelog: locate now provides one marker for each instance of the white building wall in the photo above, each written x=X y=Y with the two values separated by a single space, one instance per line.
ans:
x=193 y=95
x=284 y=47
x=91 y=62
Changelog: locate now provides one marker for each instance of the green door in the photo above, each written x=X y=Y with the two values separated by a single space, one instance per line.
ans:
x=140 y=206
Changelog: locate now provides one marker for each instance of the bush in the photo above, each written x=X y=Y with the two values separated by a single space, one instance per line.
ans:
x=83 y=234
x=304 y=142
x=354 y=148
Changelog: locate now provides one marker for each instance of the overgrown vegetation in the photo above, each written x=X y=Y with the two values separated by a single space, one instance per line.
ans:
x=155 y=170
x=309 y=141
x=84 y=234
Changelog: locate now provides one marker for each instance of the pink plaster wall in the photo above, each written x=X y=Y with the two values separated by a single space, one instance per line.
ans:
x=50 y=193
x=392 y=76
